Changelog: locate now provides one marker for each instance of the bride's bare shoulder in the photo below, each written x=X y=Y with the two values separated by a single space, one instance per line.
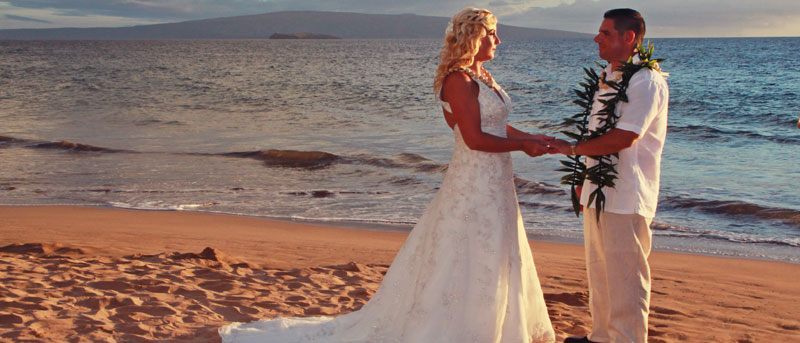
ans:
x=458 y=84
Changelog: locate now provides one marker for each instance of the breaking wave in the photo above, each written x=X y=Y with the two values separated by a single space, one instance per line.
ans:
x=56 y=145
x=731 y=207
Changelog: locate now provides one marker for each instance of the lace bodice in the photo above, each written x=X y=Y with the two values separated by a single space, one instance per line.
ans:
x=495 y=107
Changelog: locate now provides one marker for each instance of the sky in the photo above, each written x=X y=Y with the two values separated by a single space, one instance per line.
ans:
x=664 y=18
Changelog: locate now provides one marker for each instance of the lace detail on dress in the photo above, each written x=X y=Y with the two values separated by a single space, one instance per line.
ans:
x=465 y=273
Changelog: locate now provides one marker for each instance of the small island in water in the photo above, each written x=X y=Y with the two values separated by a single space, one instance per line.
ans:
x=301 y=35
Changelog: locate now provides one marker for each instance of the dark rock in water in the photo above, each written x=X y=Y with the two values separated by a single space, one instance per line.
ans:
x=321 y=194
x=290 y=158
x=298 y=159
x=301 y=35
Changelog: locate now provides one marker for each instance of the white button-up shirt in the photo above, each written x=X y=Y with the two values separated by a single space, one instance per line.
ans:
x=639 y=166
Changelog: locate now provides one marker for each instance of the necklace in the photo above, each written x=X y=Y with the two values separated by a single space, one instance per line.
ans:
x=484 y=76
x=604 y=172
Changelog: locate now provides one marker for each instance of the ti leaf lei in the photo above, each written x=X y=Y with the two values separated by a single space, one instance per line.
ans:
x=604 y=172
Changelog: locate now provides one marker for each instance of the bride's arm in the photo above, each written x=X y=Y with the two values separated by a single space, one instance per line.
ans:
x=512 y=132
x=462 y=94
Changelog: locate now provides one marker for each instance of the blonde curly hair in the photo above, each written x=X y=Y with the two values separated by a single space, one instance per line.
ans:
x=461 y=41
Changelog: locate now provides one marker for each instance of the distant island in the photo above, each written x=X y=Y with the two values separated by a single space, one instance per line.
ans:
x=260 y=26
x=301 y=35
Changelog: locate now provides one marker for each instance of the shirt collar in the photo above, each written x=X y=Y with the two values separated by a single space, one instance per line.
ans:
x=616 y=74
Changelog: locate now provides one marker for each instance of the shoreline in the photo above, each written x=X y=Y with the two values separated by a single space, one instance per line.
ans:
x=677 y=245
x=662 y=243
x=134 y=275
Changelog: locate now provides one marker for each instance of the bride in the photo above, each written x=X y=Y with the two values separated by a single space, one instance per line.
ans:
x=465 y=273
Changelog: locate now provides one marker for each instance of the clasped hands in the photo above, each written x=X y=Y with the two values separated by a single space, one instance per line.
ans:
x=539 y=145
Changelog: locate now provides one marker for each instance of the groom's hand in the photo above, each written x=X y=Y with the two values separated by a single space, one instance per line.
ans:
x=533 y=148
x=559 y=146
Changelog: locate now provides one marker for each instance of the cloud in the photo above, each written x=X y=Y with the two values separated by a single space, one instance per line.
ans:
x=53 y=18
x=129 y=8
x=21 y=18
x=676 y=18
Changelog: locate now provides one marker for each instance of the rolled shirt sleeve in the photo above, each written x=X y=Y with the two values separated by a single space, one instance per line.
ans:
x=644 y=98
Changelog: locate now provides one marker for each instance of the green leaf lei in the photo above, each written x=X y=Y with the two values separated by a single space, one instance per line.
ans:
x=604 y=172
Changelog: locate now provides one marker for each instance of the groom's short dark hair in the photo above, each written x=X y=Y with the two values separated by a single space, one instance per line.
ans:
x=627 y=19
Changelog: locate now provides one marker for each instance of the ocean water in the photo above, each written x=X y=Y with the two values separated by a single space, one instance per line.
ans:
x=348 y=132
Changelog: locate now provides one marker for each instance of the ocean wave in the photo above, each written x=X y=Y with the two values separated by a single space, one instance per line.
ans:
x=663 y=229
x=398 y=161
x=159 y=206
x=143 y=191
x=546 y=207
x=56 y=145
x=375 y=161
x=148 y=122
x=9 y=141
x=310 y=160
x=412 y=158
x=74 y=147
x=420 y=163
x=533 y=188
x=734 y=208
x=404 y=181
x=707 y=132
x=313 y=160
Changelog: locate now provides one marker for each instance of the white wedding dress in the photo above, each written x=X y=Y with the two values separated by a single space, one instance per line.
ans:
x=465 y=273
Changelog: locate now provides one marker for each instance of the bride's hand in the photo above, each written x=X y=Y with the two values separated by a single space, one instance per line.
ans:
x=543 y=138
x=533 y=148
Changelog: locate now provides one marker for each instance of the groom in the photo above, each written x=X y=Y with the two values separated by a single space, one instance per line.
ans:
x=618 y=244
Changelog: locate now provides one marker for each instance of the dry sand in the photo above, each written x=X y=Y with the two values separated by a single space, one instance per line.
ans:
x=74 y=274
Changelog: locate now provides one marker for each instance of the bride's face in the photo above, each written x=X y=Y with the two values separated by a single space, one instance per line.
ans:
x=488 y=44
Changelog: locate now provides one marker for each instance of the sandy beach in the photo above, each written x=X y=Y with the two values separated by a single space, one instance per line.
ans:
x=75 y=274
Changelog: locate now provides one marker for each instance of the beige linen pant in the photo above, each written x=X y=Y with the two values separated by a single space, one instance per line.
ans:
x=619 y=277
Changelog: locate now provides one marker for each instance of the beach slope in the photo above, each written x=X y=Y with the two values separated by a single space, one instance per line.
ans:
x=77 y=274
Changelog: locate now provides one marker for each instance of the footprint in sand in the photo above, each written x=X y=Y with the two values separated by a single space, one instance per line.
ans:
x=789 y=327
x=118 y=286
x=8 y=319
x=665 y=311
x=571 y=299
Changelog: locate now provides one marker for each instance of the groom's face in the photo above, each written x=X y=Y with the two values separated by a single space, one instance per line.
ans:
x=611 y=42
